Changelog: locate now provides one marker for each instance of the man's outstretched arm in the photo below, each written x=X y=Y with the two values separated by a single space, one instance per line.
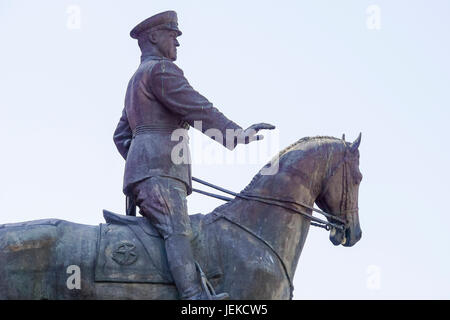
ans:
x=174 y=91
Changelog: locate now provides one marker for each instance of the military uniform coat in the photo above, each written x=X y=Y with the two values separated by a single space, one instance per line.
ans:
x=159 y=99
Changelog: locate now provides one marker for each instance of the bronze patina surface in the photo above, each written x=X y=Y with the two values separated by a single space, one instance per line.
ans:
x=247 y=248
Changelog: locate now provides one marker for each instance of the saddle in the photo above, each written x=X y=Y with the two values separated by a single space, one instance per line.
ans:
x=131 y=250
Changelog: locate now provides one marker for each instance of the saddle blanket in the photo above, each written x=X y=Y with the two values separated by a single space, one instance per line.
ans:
x=129 y=249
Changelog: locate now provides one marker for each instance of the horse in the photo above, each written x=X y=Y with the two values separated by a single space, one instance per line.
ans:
x=248 y=247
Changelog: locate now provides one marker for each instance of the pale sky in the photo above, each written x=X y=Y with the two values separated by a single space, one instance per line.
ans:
x=309 y=67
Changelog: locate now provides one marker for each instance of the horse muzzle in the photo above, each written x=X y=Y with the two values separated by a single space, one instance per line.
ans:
x=348 y=237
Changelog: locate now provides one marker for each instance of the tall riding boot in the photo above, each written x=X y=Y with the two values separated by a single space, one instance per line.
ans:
x=182 y=265
x=184 y=272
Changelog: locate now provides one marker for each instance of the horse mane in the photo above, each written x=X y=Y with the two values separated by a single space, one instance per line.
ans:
x=294 y=146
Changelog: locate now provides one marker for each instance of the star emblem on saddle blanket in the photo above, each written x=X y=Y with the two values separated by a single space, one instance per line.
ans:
x=125 y=254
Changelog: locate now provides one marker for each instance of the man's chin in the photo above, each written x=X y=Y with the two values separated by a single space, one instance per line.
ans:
x=172 y=57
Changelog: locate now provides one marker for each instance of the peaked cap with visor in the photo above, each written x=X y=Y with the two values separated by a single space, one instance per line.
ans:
x=165 y=20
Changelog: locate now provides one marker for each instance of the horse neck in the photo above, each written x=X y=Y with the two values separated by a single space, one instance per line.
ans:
x=283 y=229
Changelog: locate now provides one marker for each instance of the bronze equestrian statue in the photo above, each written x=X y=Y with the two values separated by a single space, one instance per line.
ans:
x=159 y=100
x=248 y=247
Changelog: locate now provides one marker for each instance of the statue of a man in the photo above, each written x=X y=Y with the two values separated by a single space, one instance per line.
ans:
x=158 y=101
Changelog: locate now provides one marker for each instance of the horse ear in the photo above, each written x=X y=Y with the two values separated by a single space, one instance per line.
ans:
x=343 y=137
x=355 y=145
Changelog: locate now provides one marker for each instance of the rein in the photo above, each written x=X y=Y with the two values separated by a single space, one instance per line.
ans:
x=339 y=223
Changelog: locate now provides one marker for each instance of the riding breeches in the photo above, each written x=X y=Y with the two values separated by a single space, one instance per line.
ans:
x=162 y=200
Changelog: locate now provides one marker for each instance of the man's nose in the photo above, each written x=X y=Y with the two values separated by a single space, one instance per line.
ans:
x=177 y=44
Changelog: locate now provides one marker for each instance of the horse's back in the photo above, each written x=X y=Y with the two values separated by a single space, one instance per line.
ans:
x=38 y=258
x=57 y=259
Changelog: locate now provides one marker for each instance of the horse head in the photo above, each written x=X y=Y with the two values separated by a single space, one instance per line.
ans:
x=339 y=194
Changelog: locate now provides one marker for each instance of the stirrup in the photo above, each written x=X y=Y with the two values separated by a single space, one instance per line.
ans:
x=208 y=288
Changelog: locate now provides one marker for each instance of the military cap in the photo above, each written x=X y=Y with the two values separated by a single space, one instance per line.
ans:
x=164 y=20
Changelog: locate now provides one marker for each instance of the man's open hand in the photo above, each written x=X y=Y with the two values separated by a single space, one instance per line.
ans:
x=250 y=134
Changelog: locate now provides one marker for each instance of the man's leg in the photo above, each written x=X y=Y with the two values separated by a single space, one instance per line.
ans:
x=163 y=201
x=182 y=267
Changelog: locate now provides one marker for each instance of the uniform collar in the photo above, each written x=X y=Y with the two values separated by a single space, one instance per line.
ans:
x=145 y=57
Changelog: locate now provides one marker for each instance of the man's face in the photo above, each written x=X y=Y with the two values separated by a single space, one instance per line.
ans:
x=167 y=43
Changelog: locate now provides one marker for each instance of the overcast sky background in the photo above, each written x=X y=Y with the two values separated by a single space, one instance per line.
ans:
x=308 y=67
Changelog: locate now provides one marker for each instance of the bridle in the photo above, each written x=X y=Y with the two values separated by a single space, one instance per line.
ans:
x=343 y=206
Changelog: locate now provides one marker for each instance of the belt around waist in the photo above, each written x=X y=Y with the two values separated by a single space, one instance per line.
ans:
x=157 y=129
